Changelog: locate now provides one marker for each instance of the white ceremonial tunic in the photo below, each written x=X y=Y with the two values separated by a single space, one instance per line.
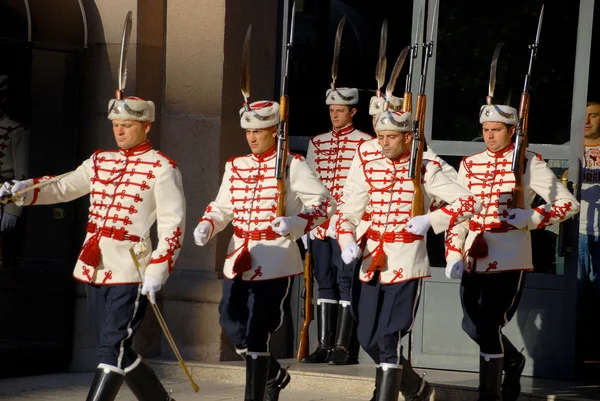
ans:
x=330 y=155
x=489 y=177
x=383 y=186
x=129 y=190
x=14 y=156
x=248 y=198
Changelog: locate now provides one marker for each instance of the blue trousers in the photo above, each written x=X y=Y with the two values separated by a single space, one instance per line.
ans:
x=385 y=314
x=589 y=262
x=489 y=302
x=116 y=312
x=250 y=311
x=332 y=274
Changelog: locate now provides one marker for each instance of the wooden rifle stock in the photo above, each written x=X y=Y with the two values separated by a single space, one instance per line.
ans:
x=282 y=151
x=418 y=206
x=521 y=143
x=407 y=102
x=307 y=308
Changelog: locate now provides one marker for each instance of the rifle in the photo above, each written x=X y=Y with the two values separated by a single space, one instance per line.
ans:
x=413 y=52
x=521 y=141
x=282 y=128
x=418 y=142
x=307 y=311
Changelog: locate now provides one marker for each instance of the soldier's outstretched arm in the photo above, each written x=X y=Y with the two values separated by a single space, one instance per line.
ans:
x=218 y=213
x=461 y=204
x=72 y=186
x=560 y=203
x=170 y=223
x=318 y=203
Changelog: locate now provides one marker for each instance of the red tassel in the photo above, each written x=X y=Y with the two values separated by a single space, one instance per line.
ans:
x=379 y=260
x=243 y=262
x=479 y=248
x=90 y=253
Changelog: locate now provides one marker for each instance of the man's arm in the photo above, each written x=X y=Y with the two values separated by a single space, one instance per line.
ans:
x=170 y=218
x=560 y=203
x=461 y=204
x=354 y=202
x=219 y=212
x=72 y=186
x=318 y=203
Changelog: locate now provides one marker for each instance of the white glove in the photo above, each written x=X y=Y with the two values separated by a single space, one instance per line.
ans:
x=151 y=287
x=6 y=190
x=312 y=235
x=331 y=231
x=305 y=241
x=19 y=185
x=281 y=225
x=8 y=222
x=418 y=225
x=350 y=252
x=455 y=269
x=201 y=233
x=518 y=218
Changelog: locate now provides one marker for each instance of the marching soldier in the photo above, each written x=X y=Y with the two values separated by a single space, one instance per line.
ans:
x=329 y=155
x=263 y=256
x=130 y=188
x=412 y=387
x=395 y=257
x=494 y=246
x=14 y=156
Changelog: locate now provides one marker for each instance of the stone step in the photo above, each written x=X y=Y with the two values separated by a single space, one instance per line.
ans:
x=359 y=379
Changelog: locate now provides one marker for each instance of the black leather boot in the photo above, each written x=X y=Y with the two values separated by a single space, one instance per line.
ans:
x=388 y=388
x=514 y=363
x=278 y=379
x=413 y=387
x=326 y=324
x=378 y=373
x=345 y=329
x=144 y=383
x=106 y=383
x=490 y=378
x=257 y=373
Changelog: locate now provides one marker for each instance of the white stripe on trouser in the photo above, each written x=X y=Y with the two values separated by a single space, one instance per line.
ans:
x=414 y=313
x=281 y=311
x=506 y=317
x=129 y=331
x=133 y=365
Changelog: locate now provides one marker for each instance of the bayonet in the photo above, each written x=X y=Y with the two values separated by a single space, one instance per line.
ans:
x=413 y=53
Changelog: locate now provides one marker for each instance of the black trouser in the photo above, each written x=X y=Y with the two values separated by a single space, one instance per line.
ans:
x=116 y=312
x=385 y=314
x=489 y=302
x=332 y=275
x=250 y=311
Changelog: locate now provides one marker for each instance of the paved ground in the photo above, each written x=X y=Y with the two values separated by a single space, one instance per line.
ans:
x=74 y=387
